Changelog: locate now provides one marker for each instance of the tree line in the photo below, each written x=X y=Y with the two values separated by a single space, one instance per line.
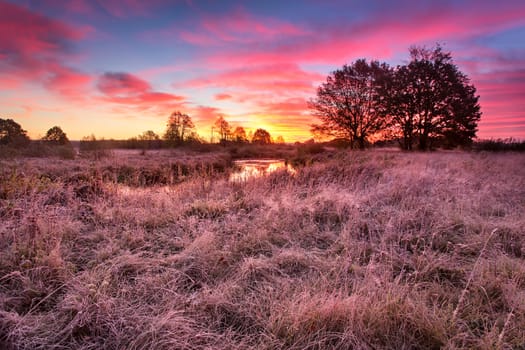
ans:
x=426 y=103
x=180 y=130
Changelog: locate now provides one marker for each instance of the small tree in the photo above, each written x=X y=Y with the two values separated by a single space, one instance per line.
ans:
x=194 y=138
x=224 y=128
x=149 y=135
x=262 y=137
x=149 y=139
x=349 y=104
x=239 y=134
x=56 y=136
x=11 y=133
x=178 y=128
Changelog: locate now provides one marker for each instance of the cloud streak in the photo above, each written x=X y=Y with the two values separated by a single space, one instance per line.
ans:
x=33 y=48
x=233 y=28
x=134 y=93
x=272 y=78
x=380 y=37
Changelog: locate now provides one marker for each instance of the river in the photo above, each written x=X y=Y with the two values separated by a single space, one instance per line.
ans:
x=250 y=168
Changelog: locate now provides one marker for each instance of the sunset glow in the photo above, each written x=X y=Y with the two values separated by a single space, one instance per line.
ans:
x=115 y=68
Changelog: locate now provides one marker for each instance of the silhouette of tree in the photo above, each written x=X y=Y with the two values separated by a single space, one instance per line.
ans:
x=224 y=128
x=56 y=136
x=349 y=104
x=194 y=137
x=261 y=136
x=149 y=135
x=11 y=133
x=239 y=134
x=179 y=127
x=279 y=139
x=430 y=100
x=149 y=139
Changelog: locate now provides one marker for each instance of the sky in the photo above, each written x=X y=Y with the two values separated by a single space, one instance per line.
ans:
x=116 y=68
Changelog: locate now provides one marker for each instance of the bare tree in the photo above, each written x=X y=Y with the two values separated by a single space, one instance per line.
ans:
x=224 y=128
x=179 y=127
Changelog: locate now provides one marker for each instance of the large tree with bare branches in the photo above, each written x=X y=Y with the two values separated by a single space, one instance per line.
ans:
x=224 y=129
x=179 y=128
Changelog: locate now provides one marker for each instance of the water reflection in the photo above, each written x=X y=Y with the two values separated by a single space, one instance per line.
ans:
x=251 y=168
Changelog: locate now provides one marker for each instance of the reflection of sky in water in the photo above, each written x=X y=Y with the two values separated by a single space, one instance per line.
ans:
x=255 y=168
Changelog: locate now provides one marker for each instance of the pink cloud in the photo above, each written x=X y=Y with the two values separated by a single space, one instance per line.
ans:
x=288 y=107
x=25 y=34
x=33 y=47
x=205 y=114
x=122 y=84
x=500 y=82
x=378 y=37
x=68 y=82
x=131 y=92
x=222 y=97
x=501 y=98
x=200 y=39
x=271 y=78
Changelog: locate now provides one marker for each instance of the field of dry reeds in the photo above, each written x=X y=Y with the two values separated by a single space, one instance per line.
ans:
x=365 y=250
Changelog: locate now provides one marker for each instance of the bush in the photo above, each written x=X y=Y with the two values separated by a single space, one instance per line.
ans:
x=8 y=152
x=38 y=149
x=92 y=148
x=65 y=152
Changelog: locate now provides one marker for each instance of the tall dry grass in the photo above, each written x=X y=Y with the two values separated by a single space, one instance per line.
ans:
x=368 y=250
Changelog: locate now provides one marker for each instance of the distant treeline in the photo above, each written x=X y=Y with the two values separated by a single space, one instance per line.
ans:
x=133 y=143
x=94 y=144
x=508 y=144
x=499 y=145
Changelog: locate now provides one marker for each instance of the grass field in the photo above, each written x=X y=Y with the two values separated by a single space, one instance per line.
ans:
x=364 y=250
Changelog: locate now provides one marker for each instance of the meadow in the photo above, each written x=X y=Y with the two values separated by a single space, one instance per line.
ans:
x=356 y=250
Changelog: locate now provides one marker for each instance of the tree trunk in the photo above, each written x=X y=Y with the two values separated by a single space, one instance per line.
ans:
x=407 y=140
x=361 y=142
x=423 y=142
